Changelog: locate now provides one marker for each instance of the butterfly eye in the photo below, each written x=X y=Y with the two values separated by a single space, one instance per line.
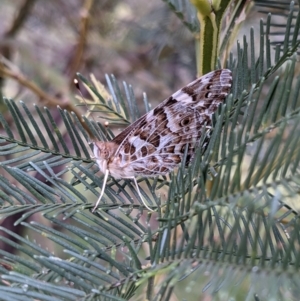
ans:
x=104 y=153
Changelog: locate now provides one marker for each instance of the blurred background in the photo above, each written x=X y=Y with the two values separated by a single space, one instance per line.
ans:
x=45 y=43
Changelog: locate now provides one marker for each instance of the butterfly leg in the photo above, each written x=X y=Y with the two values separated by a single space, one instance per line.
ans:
x=102 y=191
x=140 y=195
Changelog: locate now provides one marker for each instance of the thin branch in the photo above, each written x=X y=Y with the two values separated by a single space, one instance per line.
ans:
x=16 y=25
x=20 y=18
x=50 y=101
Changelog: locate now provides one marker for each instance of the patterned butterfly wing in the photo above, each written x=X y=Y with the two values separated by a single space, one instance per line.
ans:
x=156 y=142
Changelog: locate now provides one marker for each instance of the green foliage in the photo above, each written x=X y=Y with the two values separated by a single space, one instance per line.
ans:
x=226 y=226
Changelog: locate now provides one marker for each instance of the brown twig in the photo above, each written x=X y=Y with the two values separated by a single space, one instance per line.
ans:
x=13 y=29
x=20 y=18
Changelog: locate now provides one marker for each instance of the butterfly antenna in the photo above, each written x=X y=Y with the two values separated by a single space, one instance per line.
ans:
x=106 y=124
x=76 y=83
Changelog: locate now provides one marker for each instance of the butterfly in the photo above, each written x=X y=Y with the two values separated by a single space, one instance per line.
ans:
x=156 y=143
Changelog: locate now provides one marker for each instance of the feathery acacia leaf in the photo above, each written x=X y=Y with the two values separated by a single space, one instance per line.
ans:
x=227 y=219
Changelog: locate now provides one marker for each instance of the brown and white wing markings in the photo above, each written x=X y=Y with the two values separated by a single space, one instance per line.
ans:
x=156 y=142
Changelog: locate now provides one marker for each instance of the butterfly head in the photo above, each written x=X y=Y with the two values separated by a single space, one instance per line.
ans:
x=104 y=152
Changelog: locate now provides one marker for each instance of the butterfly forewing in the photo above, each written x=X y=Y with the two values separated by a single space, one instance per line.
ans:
x=156 y=142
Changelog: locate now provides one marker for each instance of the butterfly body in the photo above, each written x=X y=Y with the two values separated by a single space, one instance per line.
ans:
x=155 y=144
